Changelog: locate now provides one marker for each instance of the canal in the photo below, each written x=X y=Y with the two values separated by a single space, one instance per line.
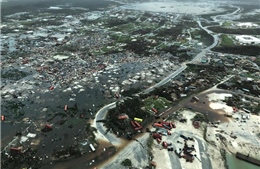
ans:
x=235 y=163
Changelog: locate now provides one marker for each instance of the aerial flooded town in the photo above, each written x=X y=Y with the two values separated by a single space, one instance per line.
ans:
x=130 y=84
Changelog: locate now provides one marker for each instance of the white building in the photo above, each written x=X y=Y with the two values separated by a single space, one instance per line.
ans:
x=247 y=24
x=246 y=39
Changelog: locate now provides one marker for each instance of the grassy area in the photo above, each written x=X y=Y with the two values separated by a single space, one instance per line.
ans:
x=157 y=103
x=226 y=41
x=124 y=27
x=32 y=23
x=121 y=38
x=150 y=142
x=227 y=24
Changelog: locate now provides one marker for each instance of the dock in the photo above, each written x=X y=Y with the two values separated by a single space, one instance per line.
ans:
x=248 y=158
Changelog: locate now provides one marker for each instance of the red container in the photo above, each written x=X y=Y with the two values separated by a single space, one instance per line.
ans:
x=48 y=126
x=154 y=110
x=158 y=125
x=2 y=117
x=51 y=88
x=137 y=124
x=66 y=107
x=165 y=145
x=156 y=135
x=133 y=124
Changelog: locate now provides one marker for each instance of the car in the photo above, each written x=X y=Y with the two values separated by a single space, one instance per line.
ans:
x=184 y=137
x=170 y=149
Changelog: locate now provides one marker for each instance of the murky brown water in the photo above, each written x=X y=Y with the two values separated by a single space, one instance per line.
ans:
x=203 y=107
x=104 y=152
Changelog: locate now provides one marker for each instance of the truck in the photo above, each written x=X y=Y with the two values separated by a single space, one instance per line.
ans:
x=157 y=135
x=196 y=98
x=133 y=124
x=65 y=107
x=165 y=145
x=137 y=124
x=158 y=125
x=167 y=127
x=184 y=137
x=154 y=110
x=138 y=119
x=122 y=117
x=92 y=147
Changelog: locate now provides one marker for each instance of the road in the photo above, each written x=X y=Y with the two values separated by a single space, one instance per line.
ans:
x=101 y=114
x=101 y=129
x=138 y=160
x=201 y=150
x=184 y=66
x=165 y=80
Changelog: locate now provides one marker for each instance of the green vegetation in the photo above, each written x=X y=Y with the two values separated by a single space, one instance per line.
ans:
x=240 y=50
x=157 y=103
x=237 y=31
x=121 y=38
x=162 y=46
x=199 y=117
x=257 y=61
x=131 y=107
x=124 y=27
x=126 y=163
x=227 y=24
x=150 y=142
x=32 y=23
x=13 y=74
x=108 y=49
x=226 y=41
x=70 y=48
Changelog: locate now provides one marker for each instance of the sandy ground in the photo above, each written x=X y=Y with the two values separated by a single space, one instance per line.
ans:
x=162 y=156
x=239 y=134
x=216 y=102
x=133 y=151
x=247 y=140
x=218 y=137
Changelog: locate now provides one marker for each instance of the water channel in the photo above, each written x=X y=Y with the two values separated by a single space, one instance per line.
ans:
x=235 y=163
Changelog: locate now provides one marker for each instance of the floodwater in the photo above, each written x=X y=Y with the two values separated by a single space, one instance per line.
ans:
x=203 y=107
x=93 y=159
x=62 y=135
x=15 y=6
x=235 y=163
x=175 y=7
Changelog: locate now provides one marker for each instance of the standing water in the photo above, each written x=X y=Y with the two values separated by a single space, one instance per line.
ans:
x=235 y=163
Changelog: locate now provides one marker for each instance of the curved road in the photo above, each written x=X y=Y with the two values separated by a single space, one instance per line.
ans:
x=101 y=114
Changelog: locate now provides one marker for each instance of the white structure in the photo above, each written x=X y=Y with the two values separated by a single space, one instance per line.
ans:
x=92 y=147
x=246 y=39
x=247 y=24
